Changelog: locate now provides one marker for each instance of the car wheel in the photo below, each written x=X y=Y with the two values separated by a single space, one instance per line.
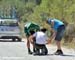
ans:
x=19 y=39
x=13 y=39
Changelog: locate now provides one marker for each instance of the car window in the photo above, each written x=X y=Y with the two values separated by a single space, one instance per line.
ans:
x=8 y=23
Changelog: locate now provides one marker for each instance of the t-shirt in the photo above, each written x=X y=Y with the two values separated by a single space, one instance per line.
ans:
x=57 y=23
x=41 y=37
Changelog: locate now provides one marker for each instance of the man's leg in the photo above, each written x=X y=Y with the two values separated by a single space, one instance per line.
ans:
x=34 y=43
x=28 y=46
x=44 y=50
x=59 y=50
x=37 y=51
x=58 y=38
x=58 y=43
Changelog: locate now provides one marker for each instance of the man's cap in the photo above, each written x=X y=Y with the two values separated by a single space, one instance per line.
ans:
x=49 y=20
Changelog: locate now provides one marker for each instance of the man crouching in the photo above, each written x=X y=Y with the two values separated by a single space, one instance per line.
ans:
x=41 y=41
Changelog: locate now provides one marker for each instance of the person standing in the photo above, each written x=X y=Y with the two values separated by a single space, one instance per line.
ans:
x=57 y=29
x=29 y=29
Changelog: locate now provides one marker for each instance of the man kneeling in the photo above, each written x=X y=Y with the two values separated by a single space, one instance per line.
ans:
x=41 y=41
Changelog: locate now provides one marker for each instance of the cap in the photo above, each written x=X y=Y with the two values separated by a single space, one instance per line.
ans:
x=49 y=20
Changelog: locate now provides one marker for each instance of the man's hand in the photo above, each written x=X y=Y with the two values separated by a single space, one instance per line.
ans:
x=48 y=41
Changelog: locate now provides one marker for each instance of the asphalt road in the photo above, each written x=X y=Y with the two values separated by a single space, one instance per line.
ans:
x=18 y=51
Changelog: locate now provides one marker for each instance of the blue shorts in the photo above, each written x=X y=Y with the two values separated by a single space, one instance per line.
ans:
x=60 y=33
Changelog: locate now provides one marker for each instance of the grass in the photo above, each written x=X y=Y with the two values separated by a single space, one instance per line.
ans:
x=69 y=44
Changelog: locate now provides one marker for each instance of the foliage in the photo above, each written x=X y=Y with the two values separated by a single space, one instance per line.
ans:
x=38 y=11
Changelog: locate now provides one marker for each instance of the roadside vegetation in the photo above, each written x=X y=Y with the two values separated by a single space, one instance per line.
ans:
x=38 y=10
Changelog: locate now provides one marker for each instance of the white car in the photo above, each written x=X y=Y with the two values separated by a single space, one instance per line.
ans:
x=9 y=29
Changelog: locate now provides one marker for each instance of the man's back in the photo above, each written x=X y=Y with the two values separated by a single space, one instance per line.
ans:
x=40 y=37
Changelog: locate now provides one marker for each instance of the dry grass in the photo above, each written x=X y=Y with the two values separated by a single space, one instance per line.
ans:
x=69 y=44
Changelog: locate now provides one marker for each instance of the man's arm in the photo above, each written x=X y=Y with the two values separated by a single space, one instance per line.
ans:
x=53 y=34
x=48 y=41
x=52 y=37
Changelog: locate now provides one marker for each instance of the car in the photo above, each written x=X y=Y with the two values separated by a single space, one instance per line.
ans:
x=9 y=29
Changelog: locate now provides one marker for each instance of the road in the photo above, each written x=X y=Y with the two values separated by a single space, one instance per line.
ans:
x=18 y=51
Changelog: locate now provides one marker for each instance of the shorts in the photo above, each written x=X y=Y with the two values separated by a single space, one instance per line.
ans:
x=60 y=33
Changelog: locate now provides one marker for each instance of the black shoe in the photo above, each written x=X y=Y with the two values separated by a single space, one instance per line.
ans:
x=58 y=52
x=34 y=50
x=36 y=53
x=29 y=51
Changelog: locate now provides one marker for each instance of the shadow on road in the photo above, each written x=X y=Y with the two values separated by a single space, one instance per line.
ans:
x=58 y=55
x=68 y=55
x=63 y=55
